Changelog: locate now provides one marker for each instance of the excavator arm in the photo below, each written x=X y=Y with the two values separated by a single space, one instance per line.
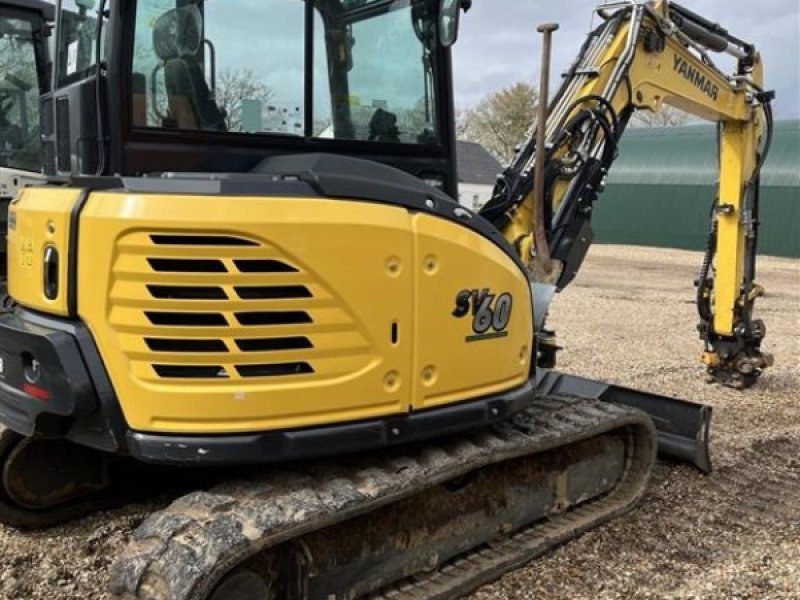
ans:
x=642 y=56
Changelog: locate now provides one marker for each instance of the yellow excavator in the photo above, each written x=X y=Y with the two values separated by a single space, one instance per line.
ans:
x=247 y=252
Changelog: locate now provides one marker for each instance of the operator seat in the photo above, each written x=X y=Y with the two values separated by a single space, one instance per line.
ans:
x=383 y=127
x=177 y=40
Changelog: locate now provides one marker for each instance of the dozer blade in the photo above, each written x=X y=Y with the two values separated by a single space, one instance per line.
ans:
x=429 y=521
x=683 y=427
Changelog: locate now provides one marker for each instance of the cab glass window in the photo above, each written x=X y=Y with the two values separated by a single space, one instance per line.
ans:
x=76 y=41
x=235 y=66
x=241 y=67
x=379 y=84
x=19 y=96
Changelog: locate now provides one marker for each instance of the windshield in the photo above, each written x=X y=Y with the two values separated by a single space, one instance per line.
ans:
x=19 y=96
x=366 y=72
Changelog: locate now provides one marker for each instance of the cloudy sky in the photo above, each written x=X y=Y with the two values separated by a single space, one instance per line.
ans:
x=499 y=44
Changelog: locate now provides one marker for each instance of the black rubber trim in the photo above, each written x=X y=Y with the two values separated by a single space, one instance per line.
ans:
x=101 y=425
x=63 y=377
x=72 y=252
x=316 y=442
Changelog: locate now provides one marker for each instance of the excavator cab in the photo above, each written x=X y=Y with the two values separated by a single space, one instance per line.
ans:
x=212 y=86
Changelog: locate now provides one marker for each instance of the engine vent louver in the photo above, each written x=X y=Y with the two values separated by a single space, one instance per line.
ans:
x=186 y=319
x=187 y=292
x=187 y=265
x=185 y=345
x=200 y=240
x=294 y=317
x=222 y=308
x=263 y=266
x=272 y=292
x=274 y=370
x=273 y=344
x=191 y=371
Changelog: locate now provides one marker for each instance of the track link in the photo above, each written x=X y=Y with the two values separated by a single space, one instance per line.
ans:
x=183 y=552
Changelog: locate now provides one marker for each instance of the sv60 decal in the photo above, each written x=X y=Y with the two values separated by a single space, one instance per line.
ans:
x=490 y=312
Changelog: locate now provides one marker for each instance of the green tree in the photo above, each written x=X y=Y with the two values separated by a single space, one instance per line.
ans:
x=502 y=120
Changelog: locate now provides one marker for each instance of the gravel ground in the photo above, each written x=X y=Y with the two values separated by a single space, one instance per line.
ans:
x=629 y=318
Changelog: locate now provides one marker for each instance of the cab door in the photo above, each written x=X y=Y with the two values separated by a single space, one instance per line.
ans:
x=24 y=69
x=23 y=64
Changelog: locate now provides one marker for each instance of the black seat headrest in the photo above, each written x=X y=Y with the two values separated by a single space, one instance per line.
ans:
x=178 y=33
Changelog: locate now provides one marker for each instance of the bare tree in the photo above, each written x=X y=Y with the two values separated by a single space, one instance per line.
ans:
x=462 y=124
x=501 y=121
x=417 y=122
x=233 y=87
x=668 y=116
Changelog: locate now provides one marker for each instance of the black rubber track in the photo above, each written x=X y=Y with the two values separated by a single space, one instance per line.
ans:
x=182 y=552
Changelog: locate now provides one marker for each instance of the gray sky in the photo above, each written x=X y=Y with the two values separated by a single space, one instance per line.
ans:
x=499 y=46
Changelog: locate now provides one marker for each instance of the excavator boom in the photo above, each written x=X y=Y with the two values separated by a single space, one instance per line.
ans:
x=644 y=55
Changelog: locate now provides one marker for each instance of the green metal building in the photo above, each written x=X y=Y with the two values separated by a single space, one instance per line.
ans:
x=661 y=188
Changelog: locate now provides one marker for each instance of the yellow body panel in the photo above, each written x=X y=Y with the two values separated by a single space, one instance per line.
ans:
x=657 y=81
x=33 y=226
x=737 y=162
x=373 y=319
x=452 y=258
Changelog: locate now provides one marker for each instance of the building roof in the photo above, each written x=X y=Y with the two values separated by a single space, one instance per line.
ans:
x=476 y=165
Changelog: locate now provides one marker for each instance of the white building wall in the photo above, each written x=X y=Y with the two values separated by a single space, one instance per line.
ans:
x=473 y=195
x=283 y=117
